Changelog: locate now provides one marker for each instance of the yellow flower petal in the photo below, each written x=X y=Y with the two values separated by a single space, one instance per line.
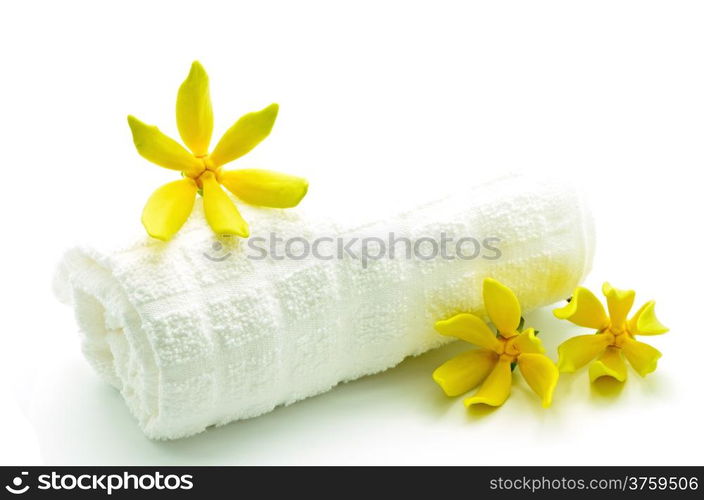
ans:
x=168 y=208
x=609 y=364
x=541 y=374
x=244 y=135
x=644 y=322
x=222 y=215
x=265 y=188
x=469 y=328
x=464 y=372
x=580 y=350
x=527 y=342
x=502 y=307
x=642 y=357
x=496 y=388
x=620 y=303
x=584 y=310
x=161 y=149
x=194 y=112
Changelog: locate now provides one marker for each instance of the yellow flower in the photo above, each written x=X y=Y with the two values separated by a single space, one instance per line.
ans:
x=614 y=337
x=492 y=363
x=170 y=205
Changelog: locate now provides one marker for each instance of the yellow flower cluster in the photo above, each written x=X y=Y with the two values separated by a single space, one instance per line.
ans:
x=491 y=365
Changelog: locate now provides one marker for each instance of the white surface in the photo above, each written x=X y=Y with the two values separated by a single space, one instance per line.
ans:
x=379 y=101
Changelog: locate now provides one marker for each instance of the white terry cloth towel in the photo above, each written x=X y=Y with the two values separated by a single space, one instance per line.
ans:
x=201 y=331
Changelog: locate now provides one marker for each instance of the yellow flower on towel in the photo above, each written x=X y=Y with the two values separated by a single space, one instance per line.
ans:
x=491 y=364
x=615 y=334
x=169 y=206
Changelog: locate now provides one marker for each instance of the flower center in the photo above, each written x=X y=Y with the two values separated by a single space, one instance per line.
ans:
x=206 y=166
x=508 y=349
x=617 y=336
x=620 y=338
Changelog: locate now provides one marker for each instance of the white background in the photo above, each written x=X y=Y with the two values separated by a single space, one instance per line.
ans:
x=382 y=104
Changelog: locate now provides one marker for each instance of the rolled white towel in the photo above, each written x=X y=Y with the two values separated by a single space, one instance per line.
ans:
x=198 y=332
